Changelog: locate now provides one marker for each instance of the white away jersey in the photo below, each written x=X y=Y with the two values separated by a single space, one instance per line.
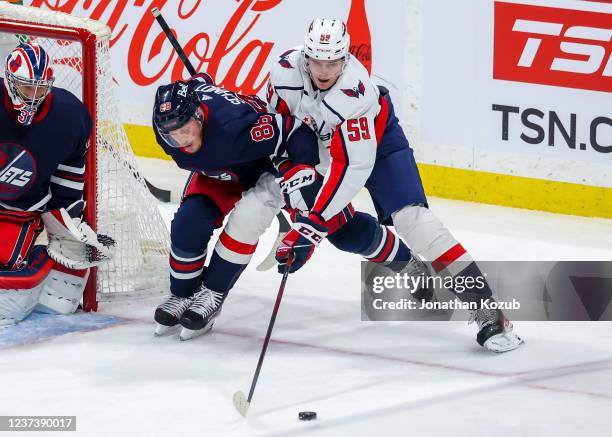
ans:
x=343 y=118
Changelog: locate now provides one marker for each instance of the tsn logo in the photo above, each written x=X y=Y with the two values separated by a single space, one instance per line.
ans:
x=595 y=53
x=553 y=46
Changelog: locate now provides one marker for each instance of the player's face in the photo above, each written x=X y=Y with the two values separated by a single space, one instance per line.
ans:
x=188 y=137
x=325 y=73
x=31 y=92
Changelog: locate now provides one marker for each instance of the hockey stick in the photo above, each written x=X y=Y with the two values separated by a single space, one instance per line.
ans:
x=241 y=402
x=270 y=260
x=283 y=224
x=177 y=47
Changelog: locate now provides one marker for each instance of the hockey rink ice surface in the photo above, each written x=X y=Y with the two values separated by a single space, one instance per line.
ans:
x=362 y=378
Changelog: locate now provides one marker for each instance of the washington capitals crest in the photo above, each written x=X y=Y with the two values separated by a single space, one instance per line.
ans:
x=283 y=59
x=357 y=91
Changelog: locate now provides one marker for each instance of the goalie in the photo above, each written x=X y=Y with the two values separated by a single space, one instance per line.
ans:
x=44 y=131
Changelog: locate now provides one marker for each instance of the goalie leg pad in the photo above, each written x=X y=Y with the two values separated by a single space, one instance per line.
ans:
x=20 y=290
x=62 y=290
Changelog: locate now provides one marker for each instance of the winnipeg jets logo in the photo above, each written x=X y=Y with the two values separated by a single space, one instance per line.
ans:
x=284 y=61
x=17 y=171
x=355 y=91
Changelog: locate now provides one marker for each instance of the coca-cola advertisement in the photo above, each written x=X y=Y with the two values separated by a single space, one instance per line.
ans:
x=233 y=41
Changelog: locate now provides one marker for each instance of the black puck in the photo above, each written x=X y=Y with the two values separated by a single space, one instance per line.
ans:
x=307 y=415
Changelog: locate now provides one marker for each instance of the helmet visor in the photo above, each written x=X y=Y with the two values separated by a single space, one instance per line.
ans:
x=183 y=136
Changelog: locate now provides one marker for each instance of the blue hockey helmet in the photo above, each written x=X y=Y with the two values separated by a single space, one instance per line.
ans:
x=175 y=105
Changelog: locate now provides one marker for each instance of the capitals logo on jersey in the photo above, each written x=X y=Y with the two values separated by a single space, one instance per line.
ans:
x=17 y=171
x=283 y=61
x=355 y=91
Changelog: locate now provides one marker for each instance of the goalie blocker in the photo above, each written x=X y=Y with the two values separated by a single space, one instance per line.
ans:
x=46 y=279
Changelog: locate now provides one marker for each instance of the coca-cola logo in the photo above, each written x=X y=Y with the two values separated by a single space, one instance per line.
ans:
x=363 y=52
x=245 y=54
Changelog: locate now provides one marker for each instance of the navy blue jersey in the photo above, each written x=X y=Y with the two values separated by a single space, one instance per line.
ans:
x=240 y=137
x=42 y=166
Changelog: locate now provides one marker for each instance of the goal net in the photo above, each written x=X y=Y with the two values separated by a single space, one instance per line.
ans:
x=118 y=201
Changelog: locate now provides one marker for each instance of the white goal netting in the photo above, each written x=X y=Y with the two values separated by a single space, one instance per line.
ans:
x=125 y=208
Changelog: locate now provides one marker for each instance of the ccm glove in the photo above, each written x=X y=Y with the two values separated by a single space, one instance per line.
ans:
x=299 y=186
x=300 y=243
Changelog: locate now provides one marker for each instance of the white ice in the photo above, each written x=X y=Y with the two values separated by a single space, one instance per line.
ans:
x=362 y=378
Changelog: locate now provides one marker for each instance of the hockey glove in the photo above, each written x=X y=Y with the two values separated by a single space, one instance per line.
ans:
x=73 y=244
x=299 y=186
x=300 y=243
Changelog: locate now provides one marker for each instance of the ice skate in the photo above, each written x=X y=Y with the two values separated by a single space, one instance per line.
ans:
x=168 y=314
x=199 y=318
x=416 y=267
x=495 y=331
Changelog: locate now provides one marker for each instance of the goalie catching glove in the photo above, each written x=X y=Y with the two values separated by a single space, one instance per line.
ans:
x=73 y=244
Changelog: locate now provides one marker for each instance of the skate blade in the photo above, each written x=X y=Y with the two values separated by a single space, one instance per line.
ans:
x=505 y=342
x=189 y=334
x=163 y=330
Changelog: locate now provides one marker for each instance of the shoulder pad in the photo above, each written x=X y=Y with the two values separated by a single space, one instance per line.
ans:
x=287 y=70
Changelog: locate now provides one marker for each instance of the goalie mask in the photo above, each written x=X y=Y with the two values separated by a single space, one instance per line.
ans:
x=29 y=78
x=176 y=105
x=326 y=40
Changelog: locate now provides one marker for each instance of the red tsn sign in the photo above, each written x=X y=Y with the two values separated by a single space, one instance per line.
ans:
x=553 y=46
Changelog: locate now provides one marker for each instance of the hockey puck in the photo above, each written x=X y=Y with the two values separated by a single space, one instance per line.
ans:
x=307 y=415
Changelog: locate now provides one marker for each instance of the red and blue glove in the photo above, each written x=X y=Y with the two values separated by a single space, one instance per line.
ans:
x=299 y=186
x=300 y=242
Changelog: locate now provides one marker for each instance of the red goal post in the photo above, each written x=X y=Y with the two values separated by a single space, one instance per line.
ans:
x=117 y=200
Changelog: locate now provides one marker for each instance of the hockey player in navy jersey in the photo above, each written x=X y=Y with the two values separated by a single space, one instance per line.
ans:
x=229 y=141
x=226 y=141
x=44 y=132
x=361 y=144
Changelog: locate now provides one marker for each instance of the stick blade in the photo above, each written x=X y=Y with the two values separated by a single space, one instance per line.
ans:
x=270 y=260
x=241 y=403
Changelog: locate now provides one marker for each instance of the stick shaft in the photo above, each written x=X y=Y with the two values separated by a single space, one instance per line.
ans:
x=179 y=50
x=279 y=296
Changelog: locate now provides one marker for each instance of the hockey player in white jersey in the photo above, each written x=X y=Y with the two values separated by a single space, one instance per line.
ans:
x=362 y=145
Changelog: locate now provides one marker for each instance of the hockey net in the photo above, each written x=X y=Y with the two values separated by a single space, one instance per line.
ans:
x=118 y=201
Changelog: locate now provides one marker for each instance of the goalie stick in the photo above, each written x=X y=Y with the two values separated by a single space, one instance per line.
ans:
x=283 y=224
